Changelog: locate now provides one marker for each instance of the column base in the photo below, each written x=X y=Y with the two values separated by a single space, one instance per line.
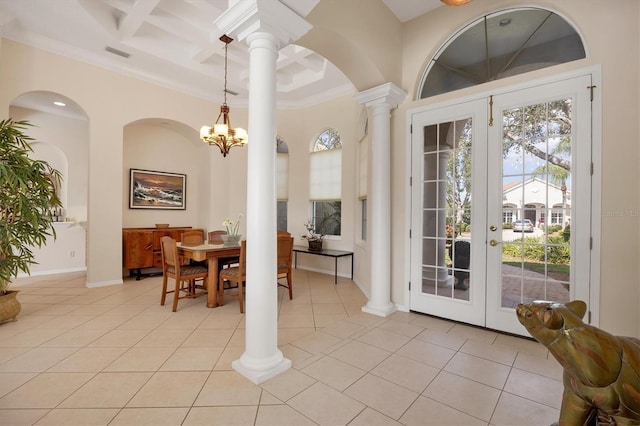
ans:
x=259 y=370
x=381 y=311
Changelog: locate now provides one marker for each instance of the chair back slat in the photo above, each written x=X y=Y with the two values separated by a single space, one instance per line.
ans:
x=285 y=249
x=195 y=236
x=215 y=237
x=169 y=251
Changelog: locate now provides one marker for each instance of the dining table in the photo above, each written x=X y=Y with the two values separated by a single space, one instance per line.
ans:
x=211 y=253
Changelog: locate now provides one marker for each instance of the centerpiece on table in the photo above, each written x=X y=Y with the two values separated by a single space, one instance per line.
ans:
x=233 y=228
x=314 y=239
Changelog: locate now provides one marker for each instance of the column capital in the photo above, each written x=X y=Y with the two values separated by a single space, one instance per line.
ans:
x=385 y=94
x=246 y=17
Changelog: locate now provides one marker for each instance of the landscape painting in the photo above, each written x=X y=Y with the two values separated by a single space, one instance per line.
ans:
x=157 y=190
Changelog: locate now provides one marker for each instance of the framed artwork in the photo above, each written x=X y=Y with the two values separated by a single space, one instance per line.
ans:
x=157 y=190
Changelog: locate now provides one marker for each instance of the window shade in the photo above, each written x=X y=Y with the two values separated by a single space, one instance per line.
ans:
x=363 y=158
x=282 y=177
x=325 y=175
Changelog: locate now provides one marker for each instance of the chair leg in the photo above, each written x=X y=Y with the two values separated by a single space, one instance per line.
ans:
x=176 y=295
x=241 y=297
x=164 y=290
x=221 y=292
x=289 y=284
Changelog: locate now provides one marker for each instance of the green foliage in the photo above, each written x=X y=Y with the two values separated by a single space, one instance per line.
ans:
x=566 y=233
x=328 y=217
x=533 y=248
x=553 y=228
x=27 y=193
x=507 y=225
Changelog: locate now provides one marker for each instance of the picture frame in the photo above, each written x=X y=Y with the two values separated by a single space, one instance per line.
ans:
x=149 y=189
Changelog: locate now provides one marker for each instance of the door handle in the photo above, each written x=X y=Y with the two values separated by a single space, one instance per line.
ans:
x=493 y=228
x=494 y=243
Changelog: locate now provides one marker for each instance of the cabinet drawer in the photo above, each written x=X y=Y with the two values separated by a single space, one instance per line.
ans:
x=157 y=259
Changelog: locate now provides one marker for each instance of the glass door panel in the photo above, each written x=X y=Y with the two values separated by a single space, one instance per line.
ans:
x=444 y=150
x=535 y=258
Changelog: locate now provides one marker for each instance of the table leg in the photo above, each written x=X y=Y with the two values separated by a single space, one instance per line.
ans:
x=212 y=282
x=352 y=267
x=335 y=271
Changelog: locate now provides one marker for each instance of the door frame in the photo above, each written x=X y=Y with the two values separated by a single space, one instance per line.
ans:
x=522 y=82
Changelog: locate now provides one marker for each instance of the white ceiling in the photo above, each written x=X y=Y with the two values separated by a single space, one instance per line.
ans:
x=174 y=43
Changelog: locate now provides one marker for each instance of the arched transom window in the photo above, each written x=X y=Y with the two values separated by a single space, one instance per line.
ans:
x=499 y=45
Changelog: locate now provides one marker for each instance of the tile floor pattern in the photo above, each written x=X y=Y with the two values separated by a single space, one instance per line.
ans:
x=114 y=356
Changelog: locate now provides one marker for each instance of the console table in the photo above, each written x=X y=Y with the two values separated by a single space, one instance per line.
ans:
x=327 y=253
x=141 y=248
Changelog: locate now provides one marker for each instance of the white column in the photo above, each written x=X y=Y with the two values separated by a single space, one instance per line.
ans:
x=380 y=100
x=262 y=359
x=265 y=25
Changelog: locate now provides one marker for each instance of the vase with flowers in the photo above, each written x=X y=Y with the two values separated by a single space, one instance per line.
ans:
x=233 y=231
x=314 y=239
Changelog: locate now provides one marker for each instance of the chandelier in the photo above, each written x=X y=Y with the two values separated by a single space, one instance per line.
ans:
x=455 y=2
x=221 y=134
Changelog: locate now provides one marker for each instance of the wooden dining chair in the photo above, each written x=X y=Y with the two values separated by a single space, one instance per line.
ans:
x=193 y=236
x=185 y=275
x=284 y=233
x=234 y=274
x=285 y=260
x=215 y=237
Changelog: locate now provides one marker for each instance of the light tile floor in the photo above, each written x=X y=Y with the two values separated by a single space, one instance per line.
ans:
x=114 y=356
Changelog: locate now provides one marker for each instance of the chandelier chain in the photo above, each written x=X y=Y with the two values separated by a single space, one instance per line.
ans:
x=226 y=47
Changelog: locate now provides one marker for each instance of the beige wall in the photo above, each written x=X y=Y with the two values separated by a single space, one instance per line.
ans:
x=616 y=51
x=299 y=129
x=151 y=145
x=113 y=101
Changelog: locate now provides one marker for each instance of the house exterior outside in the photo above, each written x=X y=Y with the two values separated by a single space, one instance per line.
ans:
x=544 y=203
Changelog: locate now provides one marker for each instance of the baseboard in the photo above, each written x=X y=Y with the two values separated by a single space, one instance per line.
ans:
x=53 y=272
x=104 y=283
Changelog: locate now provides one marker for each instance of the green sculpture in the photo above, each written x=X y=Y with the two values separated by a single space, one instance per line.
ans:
x=601 y=371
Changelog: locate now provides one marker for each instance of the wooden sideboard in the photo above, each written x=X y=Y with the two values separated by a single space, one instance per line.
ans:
x=141 y=247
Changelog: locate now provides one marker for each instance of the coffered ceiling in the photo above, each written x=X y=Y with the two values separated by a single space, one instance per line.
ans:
x=174 y=43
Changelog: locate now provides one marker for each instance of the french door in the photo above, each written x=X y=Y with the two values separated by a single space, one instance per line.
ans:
x=498 y=186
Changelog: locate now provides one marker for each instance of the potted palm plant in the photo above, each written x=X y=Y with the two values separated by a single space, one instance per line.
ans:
x=27 y=195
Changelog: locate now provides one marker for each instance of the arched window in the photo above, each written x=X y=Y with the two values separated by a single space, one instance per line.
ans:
x=282 y=182
x=325 y=183
x=499 y=45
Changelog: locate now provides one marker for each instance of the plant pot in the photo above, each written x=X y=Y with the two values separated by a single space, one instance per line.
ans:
x=231 y=240
x=9 y=306
x=315 y=245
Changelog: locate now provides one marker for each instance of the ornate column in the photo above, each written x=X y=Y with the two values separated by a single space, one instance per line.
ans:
x=380 y=100
x=265 y=25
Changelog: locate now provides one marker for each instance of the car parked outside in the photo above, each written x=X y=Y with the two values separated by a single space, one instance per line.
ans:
x=524 y=225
